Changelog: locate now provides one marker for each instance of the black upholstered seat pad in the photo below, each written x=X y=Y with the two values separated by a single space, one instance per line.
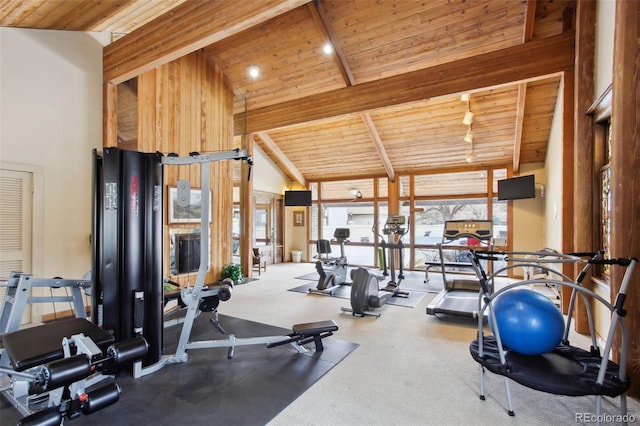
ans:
x=567 y=370
x=34 y=346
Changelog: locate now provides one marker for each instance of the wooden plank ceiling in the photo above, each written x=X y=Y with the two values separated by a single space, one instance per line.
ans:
x=386 y=102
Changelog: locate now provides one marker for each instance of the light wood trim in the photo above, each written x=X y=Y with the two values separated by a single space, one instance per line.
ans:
x=601 y=108
x=246 y=211
x=522 y=97
x=275 y=152
x=553 y=55
x=183 y=30
x=110 y=115
x=393 y=205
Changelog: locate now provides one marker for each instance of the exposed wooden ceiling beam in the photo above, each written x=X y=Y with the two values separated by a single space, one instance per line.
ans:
x=527 y=35
x=272 y=149
x=528 y=61
x=183 y=30
x=522 y=97
x=377 y=142
x=341 y=61
x=320 y=19
x=529 y=20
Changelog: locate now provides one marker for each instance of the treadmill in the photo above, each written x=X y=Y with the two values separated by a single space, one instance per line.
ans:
x=459 y=296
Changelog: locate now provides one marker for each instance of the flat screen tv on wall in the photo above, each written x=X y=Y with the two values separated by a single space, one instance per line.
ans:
x=517 y=188
x=297 y=198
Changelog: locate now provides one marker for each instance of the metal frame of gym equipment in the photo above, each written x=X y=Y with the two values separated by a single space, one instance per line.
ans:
x=366 y=293
x=47 y=381
x=52 y=367
x=18 y=295
x=332 y=271
x=568 y=369
x=458 y=296
x=198 y=298
x=393 y=227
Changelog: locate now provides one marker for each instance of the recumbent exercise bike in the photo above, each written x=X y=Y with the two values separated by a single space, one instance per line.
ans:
x=332 y=271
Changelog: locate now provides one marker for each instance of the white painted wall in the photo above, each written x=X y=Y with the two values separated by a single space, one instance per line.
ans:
x=553 y=206
x=50 y=120
x=528 y=218
x=267 y=177
x=605 y=24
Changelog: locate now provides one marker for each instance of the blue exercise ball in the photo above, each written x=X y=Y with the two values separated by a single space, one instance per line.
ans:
x=528 y=322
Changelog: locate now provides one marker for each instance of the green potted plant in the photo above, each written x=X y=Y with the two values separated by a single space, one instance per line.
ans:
x=233 y=271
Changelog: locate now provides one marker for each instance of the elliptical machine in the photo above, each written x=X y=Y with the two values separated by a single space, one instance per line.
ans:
x=395 y=230
x=332 y=271
x=366 y=293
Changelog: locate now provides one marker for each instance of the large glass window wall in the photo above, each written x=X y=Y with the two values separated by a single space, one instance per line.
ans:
x=426 y=202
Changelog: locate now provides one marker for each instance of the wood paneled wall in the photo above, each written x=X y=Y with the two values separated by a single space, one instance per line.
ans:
x=625 y=160
x=186 y=106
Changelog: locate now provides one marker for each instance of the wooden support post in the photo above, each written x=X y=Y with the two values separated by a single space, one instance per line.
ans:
x=583 y=185
x=625 y=163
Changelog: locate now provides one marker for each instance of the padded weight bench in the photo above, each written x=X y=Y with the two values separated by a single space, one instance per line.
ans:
x=309 y=332
x=35 y=346
x=50 y=367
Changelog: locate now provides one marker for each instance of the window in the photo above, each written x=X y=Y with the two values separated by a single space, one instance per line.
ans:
x=601 y=113
x=605 y=196
x=427 y=201
x=261 y=224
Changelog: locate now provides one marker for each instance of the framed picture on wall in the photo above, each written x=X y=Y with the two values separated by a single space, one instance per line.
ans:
x=187 y=211
x=298 y=218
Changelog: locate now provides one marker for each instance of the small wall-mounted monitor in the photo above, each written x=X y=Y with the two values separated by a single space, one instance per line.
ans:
x=297 y=198
x=517 y=188
x=187 y=253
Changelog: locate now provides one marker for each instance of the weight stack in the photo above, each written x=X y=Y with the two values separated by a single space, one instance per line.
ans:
x=127 y=246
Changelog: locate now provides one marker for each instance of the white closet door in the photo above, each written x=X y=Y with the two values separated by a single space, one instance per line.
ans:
x=16 y=224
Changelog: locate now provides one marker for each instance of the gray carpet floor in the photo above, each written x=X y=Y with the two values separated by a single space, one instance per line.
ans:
x=413 y=280
x=410 y=368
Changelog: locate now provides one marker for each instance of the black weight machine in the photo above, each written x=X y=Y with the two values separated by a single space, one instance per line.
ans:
x=128 y=225
x=332 y=271
x=62 y=369
x=459 y=296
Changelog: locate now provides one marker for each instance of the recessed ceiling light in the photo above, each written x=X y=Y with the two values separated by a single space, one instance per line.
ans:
x=327 y=48
x=254 y=71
